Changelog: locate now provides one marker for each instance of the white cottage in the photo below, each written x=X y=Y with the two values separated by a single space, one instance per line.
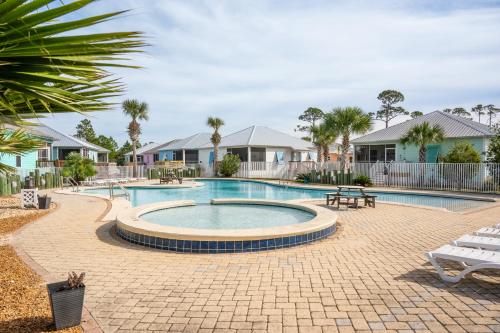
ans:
x=260 y=144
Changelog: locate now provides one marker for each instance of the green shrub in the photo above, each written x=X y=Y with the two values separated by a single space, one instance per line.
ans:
x=302 y=177
x=229 y=165
x=363 y=180
x=78 y=167
x=462 y=152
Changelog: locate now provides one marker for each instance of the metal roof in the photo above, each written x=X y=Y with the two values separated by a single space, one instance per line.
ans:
x=453 y=126
x=191 y=142
x=262 y=136
x=31 y=130
x=63 y=140
x=145 y=149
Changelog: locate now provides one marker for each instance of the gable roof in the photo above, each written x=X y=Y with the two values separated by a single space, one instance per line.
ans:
x=262 y=136
x=146 y=149
x=453 y=126
x=191 y=142
x=64 y=140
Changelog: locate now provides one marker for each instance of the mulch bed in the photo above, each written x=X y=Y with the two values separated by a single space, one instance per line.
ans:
x=24 y=302
x=12 y=216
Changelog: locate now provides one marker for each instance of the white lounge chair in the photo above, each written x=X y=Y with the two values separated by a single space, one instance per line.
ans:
x=471 y=259
x=488 y=232
x=478 y=242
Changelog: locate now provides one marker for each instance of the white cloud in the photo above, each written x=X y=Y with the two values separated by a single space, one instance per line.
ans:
x=261 y=62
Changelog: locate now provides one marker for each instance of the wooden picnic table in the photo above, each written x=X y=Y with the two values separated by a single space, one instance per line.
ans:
x=342 y=198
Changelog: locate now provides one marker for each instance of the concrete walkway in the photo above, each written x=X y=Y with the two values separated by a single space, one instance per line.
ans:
x=371 y=276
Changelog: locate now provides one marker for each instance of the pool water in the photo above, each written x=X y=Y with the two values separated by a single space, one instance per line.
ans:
x=205 y=216
x=256 y=190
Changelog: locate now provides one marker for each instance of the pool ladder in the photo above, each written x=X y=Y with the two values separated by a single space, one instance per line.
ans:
x=125 y=193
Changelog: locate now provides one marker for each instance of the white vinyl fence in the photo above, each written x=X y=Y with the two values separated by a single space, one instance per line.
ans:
x=109 y=172
x=480 y=177
x=475 y=177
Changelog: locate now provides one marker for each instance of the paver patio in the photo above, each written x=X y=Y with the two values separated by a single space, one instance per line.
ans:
x=370 y=276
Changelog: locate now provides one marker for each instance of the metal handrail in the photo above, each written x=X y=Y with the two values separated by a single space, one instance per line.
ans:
x=72 y=182
x=112 y=194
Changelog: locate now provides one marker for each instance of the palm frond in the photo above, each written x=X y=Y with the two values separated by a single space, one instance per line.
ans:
x=16 y=142
x=44 y=71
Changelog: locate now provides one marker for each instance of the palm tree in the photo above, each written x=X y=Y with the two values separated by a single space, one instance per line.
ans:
x=137 y=111
x=215 y=123
x=422 y=135
x=47 y=68
x=347 y=121
x=324 y=136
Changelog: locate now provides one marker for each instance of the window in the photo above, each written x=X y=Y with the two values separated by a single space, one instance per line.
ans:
x=296 y=156
x=177 y=155
x=192 y=157
x=390 y=153
x=156 y=157
x=375 y=153
x=18 y=161
x=43 y=154
x=85 y=152
x=258 y=154
x=241 y=152
x=362 y=153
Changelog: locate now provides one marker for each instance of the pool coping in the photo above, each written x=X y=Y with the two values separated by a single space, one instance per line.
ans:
x=130 y=220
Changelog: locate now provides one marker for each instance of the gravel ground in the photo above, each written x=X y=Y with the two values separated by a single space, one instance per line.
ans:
x=13 y=217
x=24 y=303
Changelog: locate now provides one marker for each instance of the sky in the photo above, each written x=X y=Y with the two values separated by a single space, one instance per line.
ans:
x=264 y=62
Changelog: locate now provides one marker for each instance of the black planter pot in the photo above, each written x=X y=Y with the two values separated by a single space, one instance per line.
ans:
x=44 y=202
x=66 y=304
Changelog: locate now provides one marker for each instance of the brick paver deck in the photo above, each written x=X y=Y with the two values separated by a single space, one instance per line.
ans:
x=371 y=276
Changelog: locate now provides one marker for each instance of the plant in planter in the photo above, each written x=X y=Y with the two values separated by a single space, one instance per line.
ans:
x=44 y=201
x=66 y=300
x=362 y=180
x=302 y=178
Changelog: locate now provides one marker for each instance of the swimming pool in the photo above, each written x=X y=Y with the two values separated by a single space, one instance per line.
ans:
x=205 y=216
x=218 y=188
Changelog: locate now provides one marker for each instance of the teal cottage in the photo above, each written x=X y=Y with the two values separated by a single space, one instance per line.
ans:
x=385 y=145
x=29 y=159
x=57 y=147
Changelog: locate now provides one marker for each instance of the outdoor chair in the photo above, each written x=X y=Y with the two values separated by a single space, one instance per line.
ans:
x=471 y=259
x=488 y=232
x=166 y=179
x=478 y=242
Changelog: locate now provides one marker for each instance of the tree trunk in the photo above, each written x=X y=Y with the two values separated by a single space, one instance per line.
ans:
x=421 y=154
x=216 y=153
x=318 y=152
x=326 y=152
x=345 y=150
x=134 y=159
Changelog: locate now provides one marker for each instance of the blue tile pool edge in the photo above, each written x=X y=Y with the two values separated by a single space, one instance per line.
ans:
x=212 y=247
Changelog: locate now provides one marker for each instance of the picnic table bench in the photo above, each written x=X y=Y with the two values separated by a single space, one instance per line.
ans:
x=342 y=198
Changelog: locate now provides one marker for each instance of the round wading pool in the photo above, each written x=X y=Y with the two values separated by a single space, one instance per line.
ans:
x=225 y=225
x=229 y=216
